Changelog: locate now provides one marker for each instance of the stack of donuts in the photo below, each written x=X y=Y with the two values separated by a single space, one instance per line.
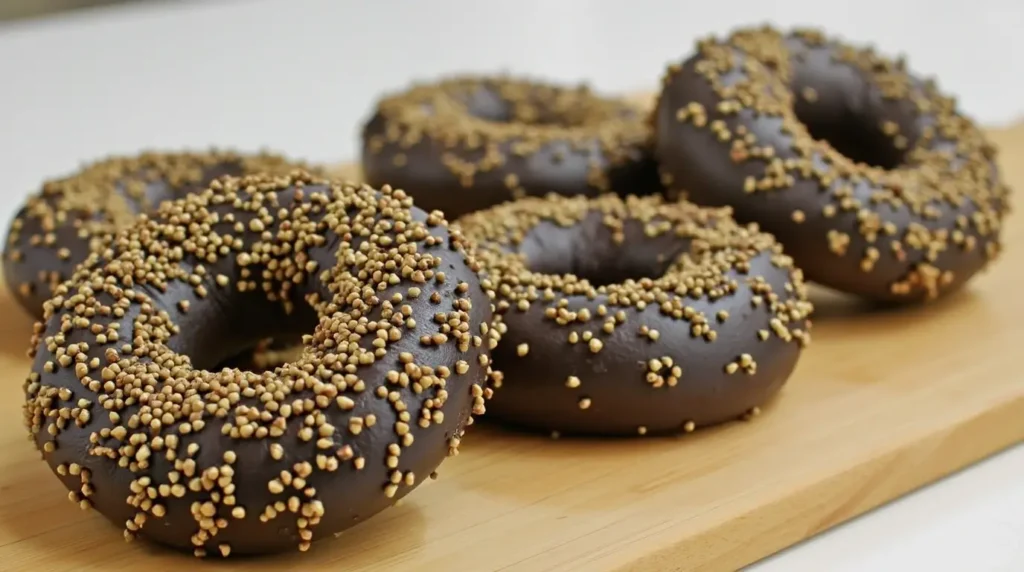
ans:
x=238 y=354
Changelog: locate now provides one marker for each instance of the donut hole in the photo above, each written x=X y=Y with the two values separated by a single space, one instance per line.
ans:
x=624 y=264
x=838 y=104
x=217 y=332
x=266 y=355
x=590 y=250
x=856 y=135
x=224 y=347
x=834 y=103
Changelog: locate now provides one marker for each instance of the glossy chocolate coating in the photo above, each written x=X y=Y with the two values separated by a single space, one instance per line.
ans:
x=545 y=352
x=869 y=177
x=220 y=321
x=607 y=150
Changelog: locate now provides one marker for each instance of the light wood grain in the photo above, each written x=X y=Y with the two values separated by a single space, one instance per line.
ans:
x=881 y=404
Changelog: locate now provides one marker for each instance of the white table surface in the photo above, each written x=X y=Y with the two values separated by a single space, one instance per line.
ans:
x=299 y=76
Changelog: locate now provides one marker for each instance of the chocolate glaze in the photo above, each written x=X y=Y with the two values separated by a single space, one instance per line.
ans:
x=561 y=150
x=872 y=206
x=225 y=321
x=118 y=189
x=537 y=392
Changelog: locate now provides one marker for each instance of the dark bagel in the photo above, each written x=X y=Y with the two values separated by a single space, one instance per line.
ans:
x=625 y=316
x=869 y=176
x=237 y=462
x=58 y=226
x=467 y=143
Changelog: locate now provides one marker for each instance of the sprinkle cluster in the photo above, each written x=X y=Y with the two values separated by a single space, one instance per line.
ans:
x=386 y=381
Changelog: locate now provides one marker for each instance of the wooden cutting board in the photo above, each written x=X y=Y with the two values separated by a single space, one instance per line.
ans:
x=881 y=404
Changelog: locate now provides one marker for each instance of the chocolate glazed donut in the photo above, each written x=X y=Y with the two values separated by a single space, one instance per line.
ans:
x=70 y=216
x=467 y=143
x=635 y=316
x=235 y=462
x=869 y=176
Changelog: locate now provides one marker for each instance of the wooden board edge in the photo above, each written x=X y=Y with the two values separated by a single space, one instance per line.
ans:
x=863 y=487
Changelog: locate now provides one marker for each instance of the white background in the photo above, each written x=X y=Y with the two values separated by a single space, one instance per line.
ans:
x=299 y=76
